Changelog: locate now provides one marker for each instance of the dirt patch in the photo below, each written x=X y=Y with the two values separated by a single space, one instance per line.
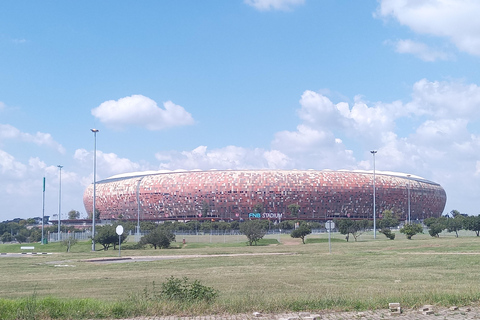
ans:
x=153 y=258
x=291 y=242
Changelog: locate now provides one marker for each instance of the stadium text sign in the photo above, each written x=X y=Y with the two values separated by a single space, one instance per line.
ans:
x=267 y=215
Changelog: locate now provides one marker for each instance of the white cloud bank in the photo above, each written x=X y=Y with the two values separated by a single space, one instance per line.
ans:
x=430 y=135
x=267 y=5
x=8 y=132
x=420 y=50
x=434 y=134
x=455 y=20
x=138 y=110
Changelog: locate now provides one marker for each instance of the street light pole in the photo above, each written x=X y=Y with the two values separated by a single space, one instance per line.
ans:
x=408 y=198
x=373 y=152
x=138 y=210
x=94 y=183
x=59 y=199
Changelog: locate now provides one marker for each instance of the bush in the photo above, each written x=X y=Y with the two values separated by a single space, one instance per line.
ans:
x=254 y=230
x=184 y=291
x=411 y=229
x=160 y=237
x=301 y=232
x=388 y=233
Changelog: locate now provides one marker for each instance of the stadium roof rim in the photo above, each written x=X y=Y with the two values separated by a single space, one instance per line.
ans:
x=139 y=174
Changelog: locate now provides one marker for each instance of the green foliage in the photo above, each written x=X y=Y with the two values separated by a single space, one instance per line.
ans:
x=254 y=230
x=472 y=223
x=301 y=232
x=455 y=224
x=69 y=243
x=73 y=214
x=435 y=229
x=388 y=221
x=22 y=235
x=286 y=225
x=97 y=214
x=108 y=237
x=388 y=233
x=411 y=229
x=294 y=209
x=160 y=237
x=184 y=291
x=353 y=227
x=6 y=237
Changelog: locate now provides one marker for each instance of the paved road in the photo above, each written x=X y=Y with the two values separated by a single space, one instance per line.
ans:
x=434 y=313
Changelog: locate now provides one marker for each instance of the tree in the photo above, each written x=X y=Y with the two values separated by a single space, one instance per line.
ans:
x=107 y=236
x=73 y=214
x=301 y=232
x=435 y=229
x=22 y=235
x=69 y=243
x=353 y=227
x=160 y=237
x=6 y=237
x=35 y=235
x=388 y=233
x=388 y=220
x=97 y=214
x=294 y=209
x=254 y=230
x=472 y=223
x=435 y=225
x=455 y=224
x=411 y=229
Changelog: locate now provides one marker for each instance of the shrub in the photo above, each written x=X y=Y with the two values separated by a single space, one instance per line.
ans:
x=184 y=291
x=411 y=229
x=388 y=233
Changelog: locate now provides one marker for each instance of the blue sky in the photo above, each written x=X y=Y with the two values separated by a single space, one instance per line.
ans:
x=232 y=85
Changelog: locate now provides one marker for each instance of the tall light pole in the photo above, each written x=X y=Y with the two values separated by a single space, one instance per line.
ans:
x=373 y=152
x=138 y=210
x=408 y=191
x=94 y=183
x=43 y=211
x=59 y=199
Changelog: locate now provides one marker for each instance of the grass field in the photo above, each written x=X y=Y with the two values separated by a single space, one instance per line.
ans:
x=357 y=275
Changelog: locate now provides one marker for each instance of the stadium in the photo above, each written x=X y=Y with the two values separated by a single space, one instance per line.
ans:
x=238 y=194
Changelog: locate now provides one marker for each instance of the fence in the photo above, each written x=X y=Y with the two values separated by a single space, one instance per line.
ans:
x=212 y=236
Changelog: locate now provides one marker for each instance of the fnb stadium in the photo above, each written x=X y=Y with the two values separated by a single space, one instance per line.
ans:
x=237 y=194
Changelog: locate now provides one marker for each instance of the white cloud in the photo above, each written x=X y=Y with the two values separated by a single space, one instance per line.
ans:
x=10 y=167
x=445 y=99
x=420 y=50
x=2 y=105
x=230 y=157
x=456 y=20
x=108 y=164
x=267 y=5
x=41 y=139
x=141 y=111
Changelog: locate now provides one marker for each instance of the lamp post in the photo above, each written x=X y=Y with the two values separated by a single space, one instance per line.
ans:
x=138 y=210
x=408 y=191
x=373 y=152
x=94 y=183
x=59 y=199
x=43 y=211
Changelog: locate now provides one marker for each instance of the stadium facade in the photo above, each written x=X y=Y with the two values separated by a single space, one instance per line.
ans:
x=234 y=194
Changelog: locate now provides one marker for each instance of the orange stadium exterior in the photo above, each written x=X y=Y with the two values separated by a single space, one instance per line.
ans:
x=233 y=194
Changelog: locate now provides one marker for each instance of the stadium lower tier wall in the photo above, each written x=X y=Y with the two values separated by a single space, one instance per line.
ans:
x=232 y=195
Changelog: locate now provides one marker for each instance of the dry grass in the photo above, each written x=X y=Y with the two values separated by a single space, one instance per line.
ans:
x=364 y=274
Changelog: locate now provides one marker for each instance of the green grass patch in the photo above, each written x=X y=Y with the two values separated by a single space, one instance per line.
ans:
x=367 y=274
